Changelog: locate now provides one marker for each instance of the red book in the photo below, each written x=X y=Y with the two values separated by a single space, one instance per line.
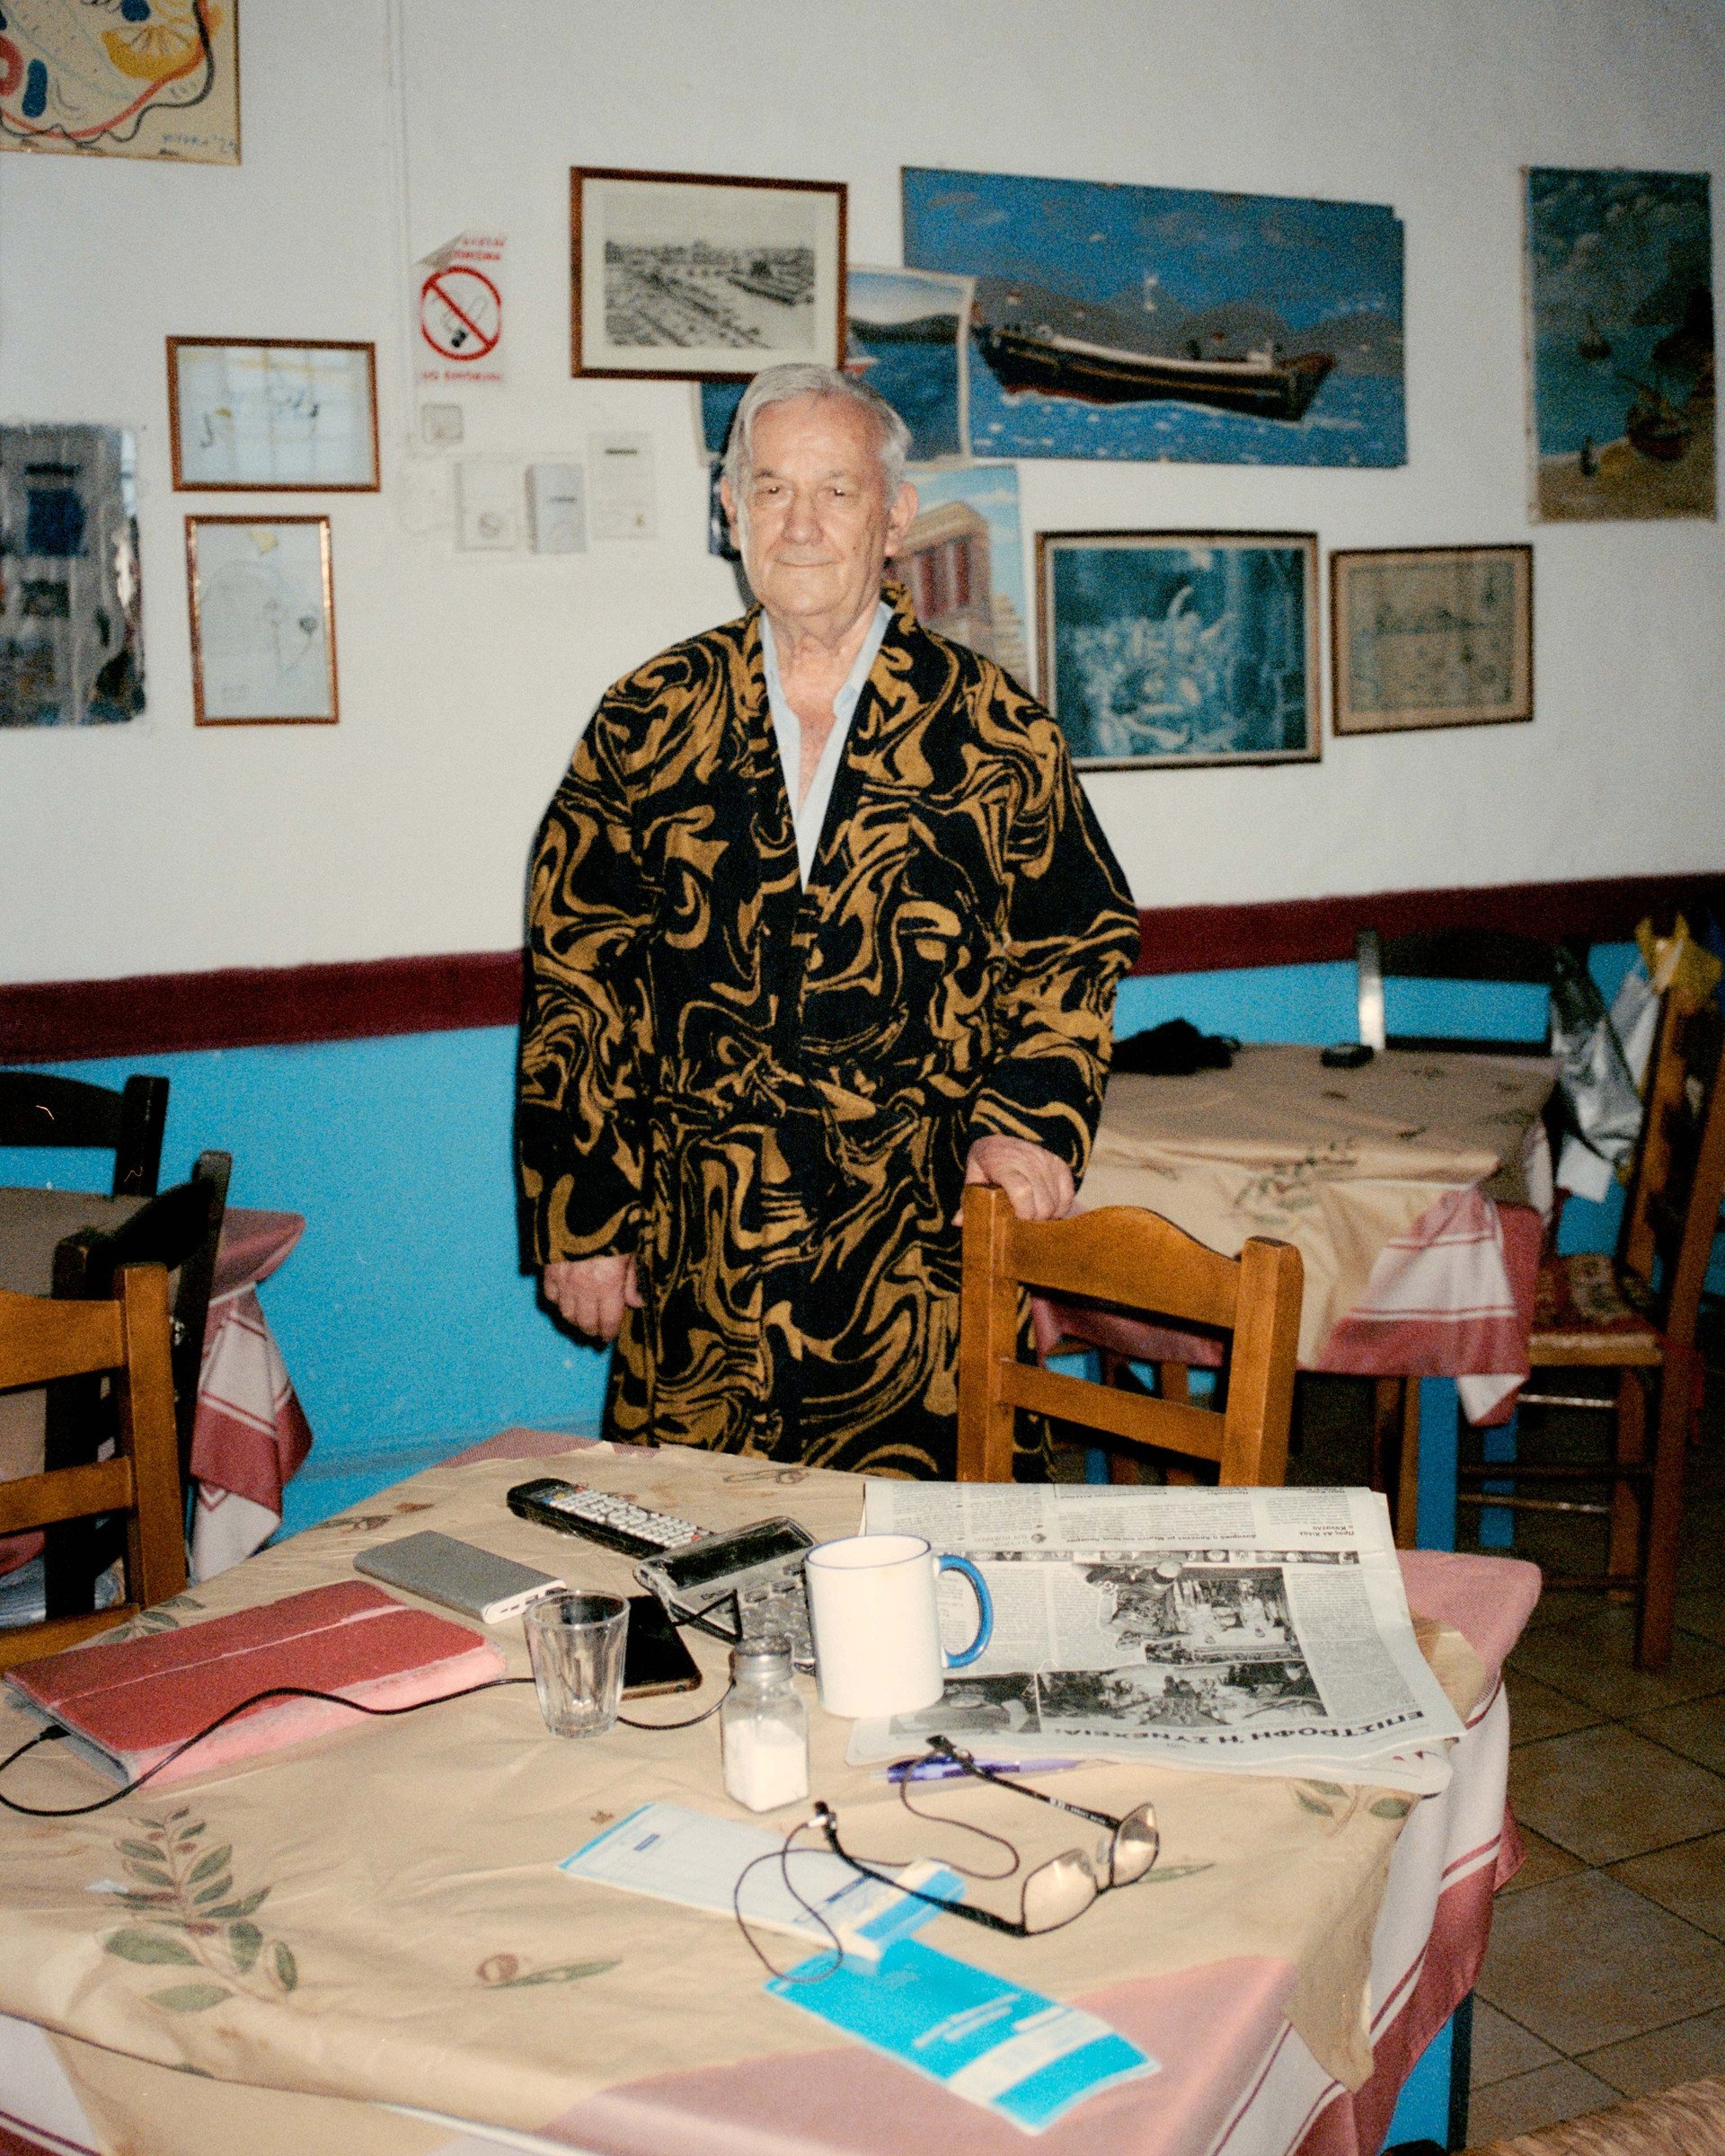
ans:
x=133 y=1702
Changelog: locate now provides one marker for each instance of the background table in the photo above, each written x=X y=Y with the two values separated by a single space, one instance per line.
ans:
x=250 y=1436
x=1415 y=1189
x=442 y=1965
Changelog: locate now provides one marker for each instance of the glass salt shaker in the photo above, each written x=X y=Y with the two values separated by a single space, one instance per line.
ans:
x=764 y=1727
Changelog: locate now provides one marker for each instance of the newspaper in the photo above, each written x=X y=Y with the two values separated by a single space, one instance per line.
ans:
x=1256 y=1630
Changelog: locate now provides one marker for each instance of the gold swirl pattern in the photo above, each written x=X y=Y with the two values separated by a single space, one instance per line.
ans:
x=766 y=1093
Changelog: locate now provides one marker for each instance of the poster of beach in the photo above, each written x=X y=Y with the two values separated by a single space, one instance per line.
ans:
x=1621 y=344
x=1168 y=322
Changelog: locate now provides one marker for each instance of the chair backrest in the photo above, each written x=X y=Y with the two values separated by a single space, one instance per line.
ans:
x=44 y=1339
x=1121 y=1254
x=181 y=1229
x=1455 y=954
x=36 y=1108
x=1679 y=1176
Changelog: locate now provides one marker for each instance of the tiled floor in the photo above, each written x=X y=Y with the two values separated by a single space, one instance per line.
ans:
x=1606 y=1976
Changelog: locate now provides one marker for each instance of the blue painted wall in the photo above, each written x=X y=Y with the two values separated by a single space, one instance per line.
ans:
x=404 y=1319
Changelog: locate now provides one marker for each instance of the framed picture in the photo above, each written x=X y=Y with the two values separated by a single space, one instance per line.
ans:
x=131 y=80
x=71 y=611
x=269 y=415
x=262 y=621
x=678 y=277
x=1180 y=648
x=1620 y=343
x=1431 y=636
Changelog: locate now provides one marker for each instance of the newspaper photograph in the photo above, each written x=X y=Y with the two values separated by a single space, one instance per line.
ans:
x=1260 y=1629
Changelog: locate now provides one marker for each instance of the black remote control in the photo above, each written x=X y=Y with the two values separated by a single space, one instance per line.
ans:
x=617 y=1522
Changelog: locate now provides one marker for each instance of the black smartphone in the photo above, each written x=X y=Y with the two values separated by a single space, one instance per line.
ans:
x=654 y=1657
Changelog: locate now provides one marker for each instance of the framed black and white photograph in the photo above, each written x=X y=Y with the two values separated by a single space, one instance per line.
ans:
x=1431 y=636
x=262 y=621
x=693 y=276
x=272 y=415
x=1181 y=648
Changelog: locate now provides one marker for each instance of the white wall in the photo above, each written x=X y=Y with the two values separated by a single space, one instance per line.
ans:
x=464 y=680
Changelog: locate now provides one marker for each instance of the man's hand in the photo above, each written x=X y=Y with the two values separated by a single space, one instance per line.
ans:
x=591 y=1291
x=1037 y=1183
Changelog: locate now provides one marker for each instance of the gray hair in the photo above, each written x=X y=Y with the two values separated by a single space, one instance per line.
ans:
x=801 y=378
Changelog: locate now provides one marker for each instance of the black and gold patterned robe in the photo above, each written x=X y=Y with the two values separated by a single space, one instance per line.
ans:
x=767 y=1094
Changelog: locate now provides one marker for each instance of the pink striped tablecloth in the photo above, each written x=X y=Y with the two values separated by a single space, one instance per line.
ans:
x=1417 y=1191
x=250 y=1435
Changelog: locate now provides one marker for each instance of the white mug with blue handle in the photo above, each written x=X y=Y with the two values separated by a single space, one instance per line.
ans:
x=872 y=1611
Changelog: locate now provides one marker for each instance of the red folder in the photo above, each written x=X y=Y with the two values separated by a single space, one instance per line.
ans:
x=133 y=1702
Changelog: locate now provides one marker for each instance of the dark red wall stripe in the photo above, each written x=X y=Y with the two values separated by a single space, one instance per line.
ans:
x=154 y=1014
x=1301 y=931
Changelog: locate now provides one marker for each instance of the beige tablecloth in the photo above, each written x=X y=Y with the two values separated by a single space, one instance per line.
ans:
x=1337 y=1163
x=404 y=1936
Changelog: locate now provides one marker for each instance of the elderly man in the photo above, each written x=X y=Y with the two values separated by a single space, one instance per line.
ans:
x=821 y=929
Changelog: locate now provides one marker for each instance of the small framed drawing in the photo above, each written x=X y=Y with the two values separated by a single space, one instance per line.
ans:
x=272 y=416
x=1180 y=648
x=262 y=621
x=1431 y=636
x=682 y=277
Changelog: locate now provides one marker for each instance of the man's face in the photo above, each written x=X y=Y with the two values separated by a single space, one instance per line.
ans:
x=816 y=528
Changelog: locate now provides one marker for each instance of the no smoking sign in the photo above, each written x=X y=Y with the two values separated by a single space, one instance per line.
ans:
x=461 y=314
x=457 y=296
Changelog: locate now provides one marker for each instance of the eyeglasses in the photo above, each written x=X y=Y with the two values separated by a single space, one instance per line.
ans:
x=1056 y=1893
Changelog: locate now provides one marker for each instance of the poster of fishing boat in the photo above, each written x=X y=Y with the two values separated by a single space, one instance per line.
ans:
x=1620 y=306
x=1154 y=322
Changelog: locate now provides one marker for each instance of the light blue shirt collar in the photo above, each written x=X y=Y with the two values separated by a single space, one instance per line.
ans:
x=809 y=819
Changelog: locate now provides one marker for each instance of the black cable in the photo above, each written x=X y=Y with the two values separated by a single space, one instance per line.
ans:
x=43 y=1736
x=970 y=1827
x=273 y=1691
x=781 y=1857
x=705 y=1714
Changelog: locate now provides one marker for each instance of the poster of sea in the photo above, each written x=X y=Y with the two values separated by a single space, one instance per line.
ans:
x=1620 y=298
x=1170 y=324
x=904 y=337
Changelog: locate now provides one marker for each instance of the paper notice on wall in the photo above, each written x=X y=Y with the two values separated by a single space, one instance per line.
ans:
x=623 y=503
x=457 y=327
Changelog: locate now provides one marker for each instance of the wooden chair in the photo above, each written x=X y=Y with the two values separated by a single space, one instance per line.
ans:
x=1479 y=955
x=180 y=1230
x=1121 y=1254
x=1635 y=1314
x=36 y=1108
x=42 y=1340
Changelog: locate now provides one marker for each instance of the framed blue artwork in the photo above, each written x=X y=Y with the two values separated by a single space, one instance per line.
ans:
x=1181 y=648
x=1170 y=324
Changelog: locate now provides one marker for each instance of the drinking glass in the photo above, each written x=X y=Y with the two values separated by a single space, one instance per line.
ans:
x=576 y=1642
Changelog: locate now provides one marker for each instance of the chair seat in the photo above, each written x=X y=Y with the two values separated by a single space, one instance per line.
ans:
x=1583 y=1313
